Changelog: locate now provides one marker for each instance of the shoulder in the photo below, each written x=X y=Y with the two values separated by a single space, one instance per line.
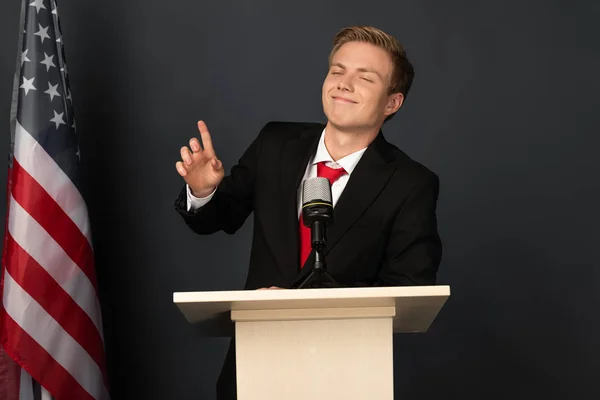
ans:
x=411 y=169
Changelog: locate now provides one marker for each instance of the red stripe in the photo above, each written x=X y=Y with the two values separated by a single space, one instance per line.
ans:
x=40 y=365
x=36 y=281
x=10 y=377
x=8 y=194
x=9 y=371
x=42 y=207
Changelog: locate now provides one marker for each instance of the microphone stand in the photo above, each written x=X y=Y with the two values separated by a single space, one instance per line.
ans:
x=318 y=277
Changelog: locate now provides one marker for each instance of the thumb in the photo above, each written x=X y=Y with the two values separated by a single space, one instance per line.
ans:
x=216 y=163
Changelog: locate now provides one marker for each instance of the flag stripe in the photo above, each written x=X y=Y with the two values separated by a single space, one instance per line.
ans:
x=45 y=210
x=10 y=373
x=54 y=377
x=45 y=395
x=34 y=159
x=43 y=249
x=26 y=389
x=40 y=285
x=43 y=329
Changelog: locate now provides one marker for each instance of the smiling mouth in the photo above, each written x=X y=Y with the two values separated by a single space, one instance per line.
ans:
x=343 y=100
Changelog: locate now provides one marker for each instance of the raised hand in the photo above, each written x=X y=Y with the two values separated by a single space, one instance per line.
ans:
x=200 y=168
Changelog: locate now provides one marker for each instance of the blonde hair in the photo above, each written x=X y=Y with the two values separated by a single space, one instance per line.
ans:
x=402 y=70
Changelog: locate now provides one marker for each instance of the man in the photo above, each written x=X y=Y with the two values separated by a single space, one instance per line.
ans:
x=385 y=229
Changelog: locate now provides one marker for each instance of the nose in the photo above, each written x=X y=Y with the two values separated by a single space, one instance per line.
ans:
x=345 y=83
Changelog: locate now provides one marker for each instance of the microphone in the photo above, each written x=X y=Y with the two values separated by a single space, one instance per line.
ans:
x=317 y=210
x=317 y=214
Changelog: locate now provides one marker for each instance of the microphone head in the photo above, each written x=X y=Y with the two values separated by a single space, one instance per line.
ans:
x=316 y=190
x=316 y=201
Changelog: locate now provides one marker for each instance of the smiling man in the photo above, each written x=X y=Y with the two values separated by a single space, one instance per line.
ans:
x=385 y=225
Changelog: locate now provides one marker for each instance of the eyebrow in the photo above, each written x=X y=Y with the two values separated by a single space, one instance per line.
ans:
x=369 y=70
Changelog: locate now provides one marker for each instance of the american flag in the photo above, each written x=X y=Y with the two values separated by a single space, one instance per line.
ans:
x=50 y=321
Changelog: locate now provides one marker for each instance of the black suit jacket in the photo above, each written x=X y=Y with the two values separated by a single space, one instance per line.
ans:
x=385 y=226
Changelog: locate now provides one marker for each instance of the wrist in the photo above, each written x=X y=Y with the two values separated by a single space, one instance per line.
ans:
x=201 y=193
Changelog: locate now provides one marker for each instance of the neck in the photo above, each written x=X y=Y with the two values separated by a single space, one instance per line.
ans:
x=340 y=142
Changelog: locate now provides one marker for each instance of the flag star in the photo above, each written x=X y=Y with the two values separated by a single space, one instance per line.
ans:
x=59 y=40
x=58 y=119
x=52 y=91
x=24 y=57
x=28 y=85
x=69 y=95
x=48 y=61
x=38 y=4
x=54 y=10
x=43 y=33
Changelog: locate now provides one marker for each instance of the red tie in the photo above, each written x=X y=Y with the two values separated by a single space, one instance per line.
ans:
x=305 y=246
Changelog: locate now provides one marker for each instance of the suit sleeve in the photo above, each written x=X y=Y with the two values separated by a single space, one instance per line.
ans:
x=233 y=201
x=414 y=248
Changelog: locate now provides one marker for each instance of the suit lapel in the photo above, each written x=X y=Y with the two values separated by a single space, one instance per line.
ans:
x=294 y=158
x=367 y=180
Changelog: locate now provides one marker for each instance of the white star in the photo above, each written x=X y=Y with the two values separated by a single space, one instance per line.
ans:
x=54 y=10
x=52 y=91
x=24 y=58
x=58 y=119
x=59 y=40
x=69 y=95
x=28 y=85
x=38 y=4
x=42 y=33
x=48 y=62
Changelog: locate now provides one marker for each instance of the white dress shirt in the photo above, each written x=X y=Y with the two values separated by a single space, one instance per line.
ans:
x=322 y=155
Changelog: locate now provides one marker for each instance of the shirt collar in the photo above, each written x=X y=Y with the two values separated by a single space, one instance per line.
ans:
x=348 y=163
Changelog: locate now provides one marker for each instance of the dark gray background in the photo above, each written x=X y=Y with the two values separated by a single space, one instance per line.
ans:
x=503 y=108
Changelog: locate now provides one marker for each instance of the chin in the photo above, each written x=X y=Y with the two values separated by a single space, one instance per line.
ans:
x=340 y=118
x=352 y=125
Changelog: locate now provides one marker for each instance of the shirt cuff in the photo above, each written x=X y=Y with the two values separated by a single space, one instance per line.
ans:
x=194 y=203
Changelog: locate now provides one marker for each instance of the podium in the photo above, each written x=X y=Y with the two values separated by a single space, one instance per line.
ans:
x=314 y=343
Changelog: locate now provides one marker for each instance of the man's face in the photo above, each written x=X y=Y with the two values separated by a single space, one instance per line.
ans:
x=355 y=92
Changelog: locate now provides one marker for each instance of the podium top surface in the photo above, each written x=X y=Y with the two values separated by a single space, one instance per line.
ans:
x=413 y=303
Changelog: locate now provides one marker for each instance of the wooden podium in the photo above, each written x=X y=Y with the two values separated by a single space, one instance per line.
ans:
x=315 y=343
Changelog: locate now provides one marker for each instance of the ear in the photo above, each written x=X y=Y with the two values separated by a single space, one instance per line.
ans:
x=394 y=103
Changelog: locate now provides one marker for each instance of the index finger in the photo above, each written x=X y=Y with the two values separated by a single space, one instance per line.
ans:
x=206 y=139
